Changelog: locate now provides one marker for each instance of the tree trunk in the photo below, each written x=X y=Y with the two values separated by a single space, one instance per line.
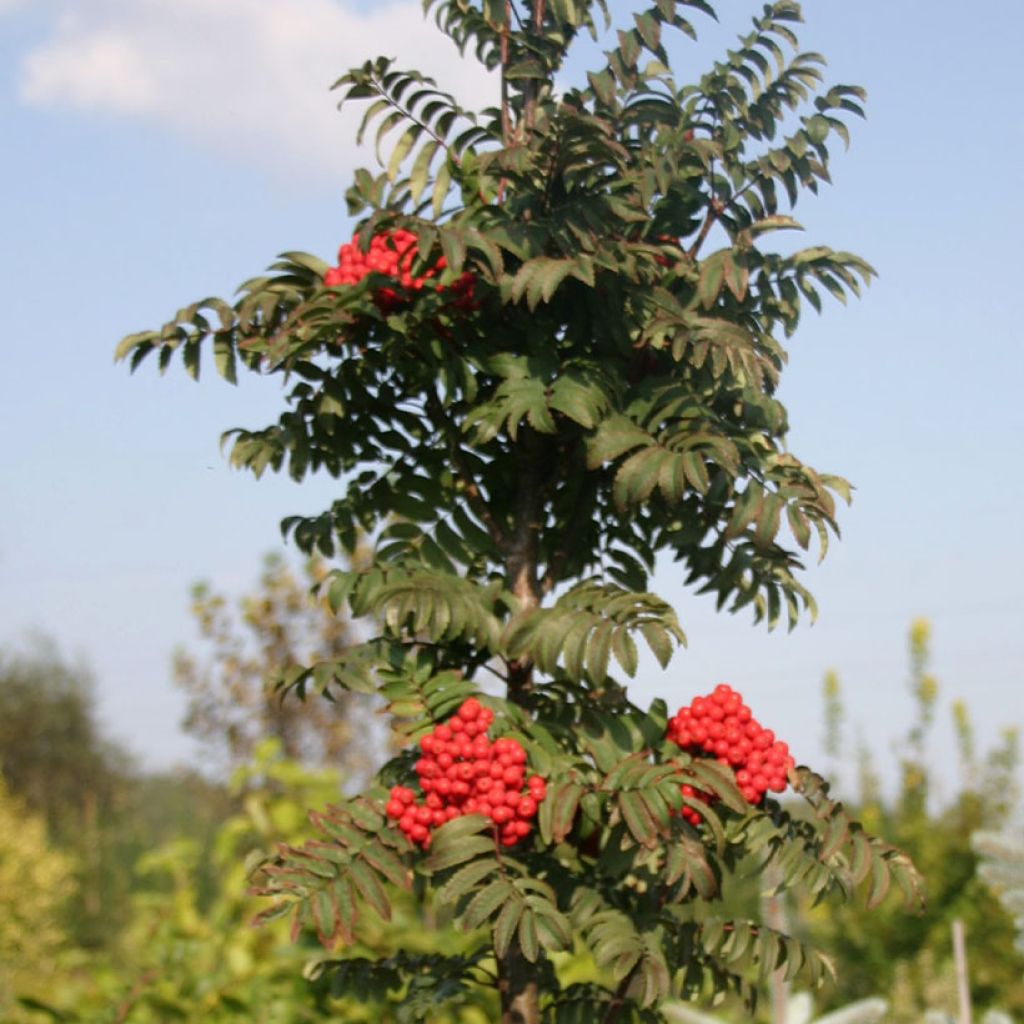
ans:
x=519 y=990
x=518 y=983
x=521 y=560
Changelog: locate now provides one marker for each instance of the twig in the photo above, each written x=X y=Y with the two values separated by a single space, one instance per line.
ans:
x=506 y=116
x=709 y=220
x=125 y=1006
x=618 y=1001
x=381 y=92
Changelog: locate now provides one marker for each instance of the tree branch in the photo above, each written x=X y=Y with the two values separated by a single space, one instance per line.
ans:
x=715 y=207
x=531 y=91
x=506 y=115
x=618 y=1001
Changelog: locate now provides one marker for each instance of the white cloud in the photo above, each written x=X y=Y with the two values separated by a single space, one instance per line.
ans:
x=249 y=77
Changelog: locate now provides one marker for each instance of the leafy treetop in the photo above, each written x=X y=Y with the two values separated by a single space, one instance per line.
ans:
x=614 y=395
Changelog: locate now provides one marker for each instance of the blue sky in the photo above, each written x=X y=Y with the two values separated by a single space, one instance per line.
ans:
x=157 y=152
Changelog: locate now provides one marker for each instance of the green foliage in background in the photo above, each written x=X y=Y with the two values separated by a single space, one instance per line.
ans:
x=609 y=396
x=180 y=958
x=944 y=796
x=1002 y=870
x=54 y=758
x=35 y=882
x=97 y=808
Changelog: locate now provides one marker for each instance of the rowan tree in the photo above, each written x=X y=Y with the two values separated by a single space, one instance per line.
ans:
x=550 y=355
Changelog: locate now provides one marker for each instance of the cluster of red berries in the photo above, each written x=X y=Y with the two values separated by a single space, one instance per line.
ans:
x=393 y=253
x=463 y=772
x=722 y=726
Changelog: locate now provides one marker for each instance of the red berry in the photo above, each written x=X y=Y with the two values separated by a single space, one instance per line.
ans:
x=526 y=807
x=470 y=709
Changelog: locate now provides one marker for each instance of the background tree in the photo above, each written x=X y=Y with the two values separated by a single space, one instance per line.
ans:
x=97 y=806
x=52 y=752
x=35 y=882
x=54 y=757
x=231 y=703
x=533 y=379
x=183 y=957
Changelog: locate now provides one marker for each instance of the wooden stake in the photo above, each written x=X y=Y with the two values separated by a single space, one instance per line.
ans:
x=963 y=984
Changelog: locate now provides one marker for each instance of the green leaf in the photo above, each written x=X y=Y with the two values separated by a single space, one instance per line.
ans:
x=638 y=819
x=505 y=926
x=486 y=902
x=528 y=941
x=465 y=880
x=712 y=273
x=817 y=128
x=368 y=886
x=615 y=436
x=458 y=841
x=880 y=880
